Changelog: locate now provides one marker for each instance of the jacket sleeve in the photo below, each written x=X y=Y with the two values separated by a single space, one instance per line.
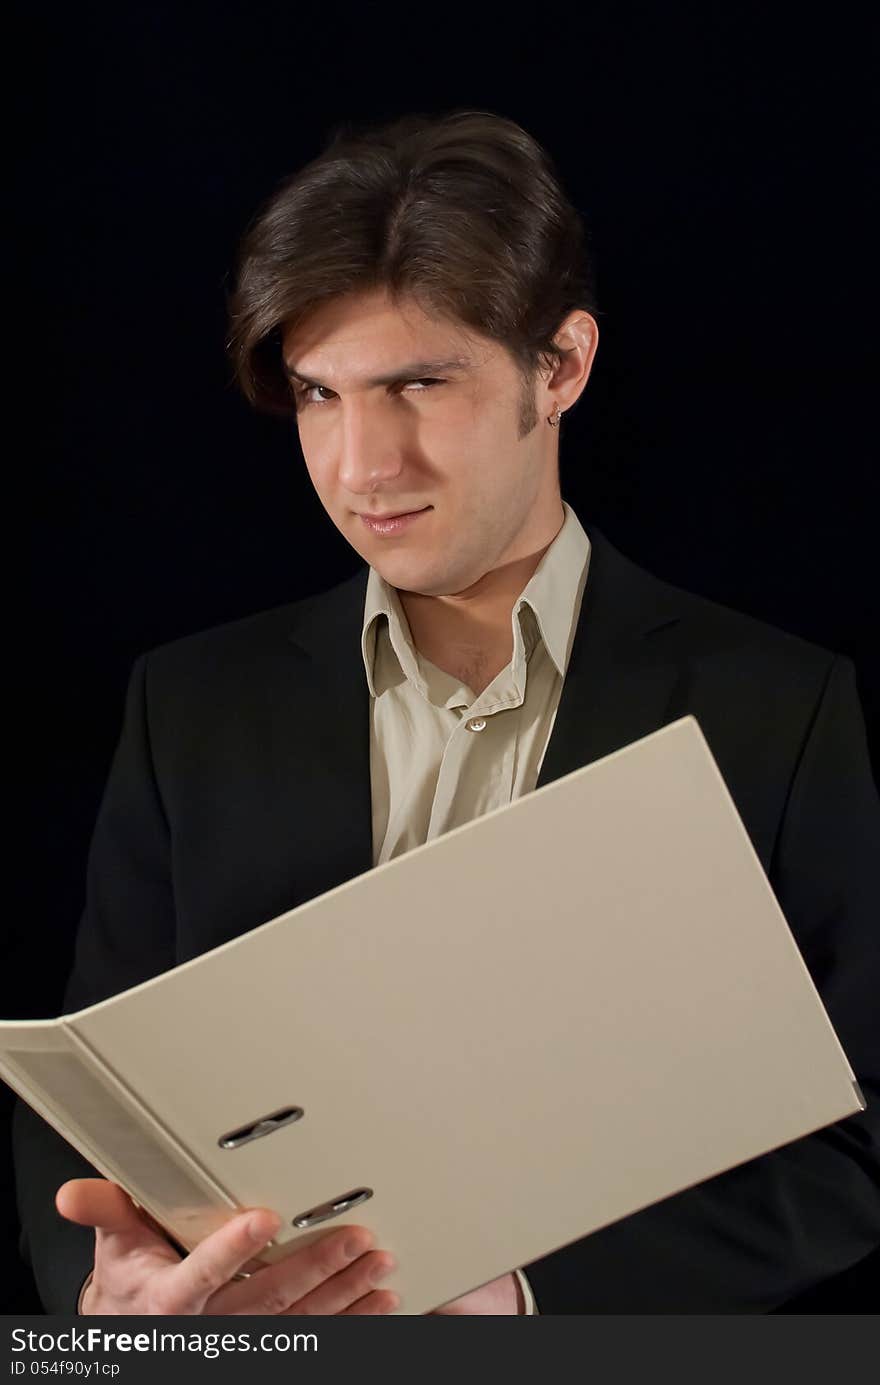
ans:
x=126 y=935
x=756 y=1236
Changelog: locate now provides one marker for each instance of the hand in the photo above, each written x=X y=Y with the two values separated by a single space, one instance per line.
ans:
x=138 y=1272
x=501 y=1296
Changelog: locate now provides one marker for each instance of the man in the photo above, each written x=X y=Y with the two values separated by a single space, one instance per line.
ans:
x=419 y=297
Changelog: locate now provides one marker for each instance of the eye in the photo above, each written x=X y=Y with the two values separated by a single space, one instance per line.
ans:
x=304 y=393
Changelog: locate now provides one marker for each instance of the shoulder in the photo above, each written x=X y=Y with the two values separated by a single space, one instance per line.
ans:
x=705 y=632
x=263 y=636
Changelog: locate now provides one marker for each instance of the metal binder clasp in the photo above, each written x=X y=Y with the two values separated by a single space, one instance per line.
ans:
x=266 y=1125
x=332 y=1209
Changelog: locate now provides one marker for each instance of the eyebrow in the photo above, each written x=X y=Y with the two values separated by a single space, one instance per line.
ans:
x=413 y=371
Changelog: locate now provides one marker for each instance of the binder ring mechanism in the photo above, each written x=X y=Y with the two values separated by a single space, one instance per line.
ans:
x=332 y=1209
x=266 y=1125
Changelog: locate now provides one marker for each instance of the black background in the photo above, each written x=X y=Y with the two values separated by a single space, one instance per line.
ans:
x=719 y=155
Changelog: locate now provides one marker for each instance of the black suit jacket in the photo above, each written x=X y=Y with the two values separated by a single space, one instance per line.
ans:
x=241 y=787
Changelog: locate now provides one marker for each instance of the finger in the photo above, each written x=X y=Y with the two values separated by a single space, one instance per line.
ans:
x=97 y=1202
x=275 y=1288
x=120 y=1226
x=209 y=1267
x=342 y=1291
x=379 y=1302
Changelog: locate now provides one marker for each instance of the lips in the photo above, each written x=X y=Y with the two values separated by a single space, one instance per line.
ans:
x=397 y=514
x=387 y=525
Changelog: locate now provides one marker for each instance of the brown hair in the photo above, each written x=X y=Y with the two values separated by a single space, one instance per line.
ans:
x=462 y=212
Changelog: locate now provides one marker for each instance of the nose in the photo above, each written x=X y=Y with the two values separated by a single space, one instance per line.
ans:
x=370 y=452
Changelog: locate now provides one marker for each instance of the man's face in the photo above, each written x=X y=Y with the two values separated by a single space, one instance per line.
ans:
x=453 y=449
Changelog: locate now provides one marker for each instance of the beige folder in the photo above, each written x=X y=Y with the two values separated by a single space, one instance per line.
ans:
x=536 y=1024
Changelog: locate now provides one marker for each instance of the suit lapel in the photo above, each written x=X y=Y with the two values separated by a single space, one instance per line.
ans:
x=620 y=684
x=336 y=840
x=622 y=674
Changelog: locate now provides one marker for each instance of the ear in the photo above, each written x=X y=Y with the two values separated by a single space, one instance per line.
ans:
x=578 y=339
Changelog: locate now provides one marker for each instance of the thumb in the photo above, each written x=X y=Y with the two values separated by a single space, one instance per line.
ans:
x=97 y=1202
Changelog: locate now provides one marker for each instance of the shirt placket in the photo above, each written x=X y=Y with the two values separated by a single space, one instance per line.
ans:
x=476 y=772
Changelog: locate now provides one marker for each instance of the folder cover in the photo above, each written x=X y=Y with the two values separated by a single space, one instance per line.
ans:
x=491 y=1046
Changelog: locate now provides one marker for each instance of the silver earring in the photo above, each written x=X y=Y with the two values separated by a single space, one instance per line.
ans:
x=555 y=417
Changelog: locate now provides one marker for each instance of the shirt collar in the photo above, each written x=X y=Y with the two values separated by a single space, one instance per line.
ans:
x=553 y=594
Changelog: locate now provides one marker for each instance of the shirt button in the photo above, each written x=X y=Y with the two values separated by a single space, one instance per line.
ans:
x=476 y=724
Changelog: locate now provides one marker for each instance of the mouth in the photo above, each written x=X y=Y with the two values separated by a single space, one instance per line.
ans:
x=393 y=523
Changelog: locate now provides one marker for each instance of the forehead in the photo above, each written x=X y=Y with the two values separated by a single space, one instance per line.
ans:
x=363 y=334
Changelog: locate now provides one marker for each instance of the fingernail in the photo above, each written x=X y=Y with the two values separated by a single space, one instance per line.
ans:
x=379 y=1271
x=353 y=1248
x=261 y=1227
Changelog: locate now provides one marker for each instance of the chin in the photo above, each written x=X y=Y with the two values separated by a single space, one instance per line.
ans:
x=430 y=582
x=409 y=574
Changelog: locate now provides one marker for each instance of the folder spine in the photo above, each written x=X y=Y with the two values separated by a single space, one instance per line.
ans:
x=75 y=1090
x=182 y=1173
